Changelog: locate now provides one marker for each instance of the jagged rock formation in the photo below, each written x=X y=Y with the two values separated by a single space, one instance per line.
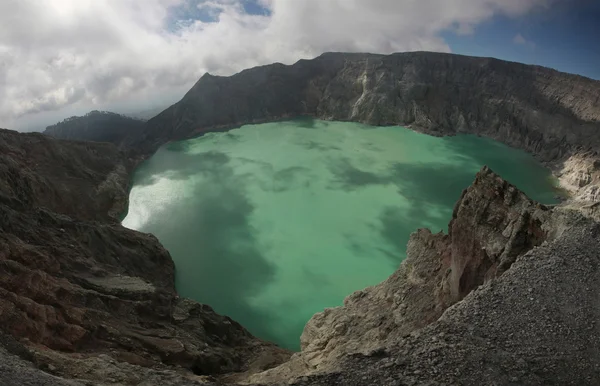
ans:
x=536 y=324
x=580 y=175
x=99 y=126
x=75 y=284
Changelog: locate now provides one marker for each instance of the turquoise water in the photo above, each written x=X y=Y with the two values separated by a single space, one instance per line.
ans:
x=271 y=223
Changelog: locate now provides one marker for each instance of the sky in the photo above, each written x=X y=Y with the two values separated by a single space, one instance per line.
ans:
x=60 y=58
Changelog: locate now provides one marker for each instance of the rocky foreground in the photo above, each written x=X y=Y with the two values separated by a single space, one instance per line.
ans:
x=510 y=295
x=82 y=296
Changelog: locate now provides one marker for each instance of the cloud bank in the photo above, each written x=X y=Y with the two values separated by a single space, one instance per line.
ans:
x=59 y=57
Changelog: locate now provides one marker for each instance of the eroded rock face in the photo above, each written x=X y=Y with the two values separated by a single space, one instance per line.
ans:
x=80 y=179
x=492 y=225
x=580 y=176
x=75 y=284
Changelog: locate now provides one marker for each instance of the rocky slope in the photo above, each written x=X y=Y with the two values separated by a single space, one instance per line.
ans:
x=99 y=126
x=80 y=179
x=551 y=114
x=516 y=317
x=536 y=324
x=85 y=297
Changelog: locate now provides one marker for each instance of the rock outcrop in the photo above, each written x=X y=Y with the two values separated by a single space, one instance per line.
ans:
x=99 y=126
x=80 y=179
x=82 y=294
x=536 y=324
x=492 y=225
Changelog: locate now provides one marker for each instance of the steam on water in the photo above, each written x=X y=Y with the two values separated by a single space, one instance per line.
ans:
x=271 y=223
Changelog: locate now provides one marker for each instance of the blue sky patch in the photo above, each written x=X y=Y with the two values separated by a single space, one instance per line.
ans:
x=565 y=37
x=192 y=10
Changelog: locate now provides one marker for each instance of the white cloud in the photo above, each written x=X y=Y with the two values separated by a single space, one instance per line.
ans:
x=520 y=40
x=59 y=57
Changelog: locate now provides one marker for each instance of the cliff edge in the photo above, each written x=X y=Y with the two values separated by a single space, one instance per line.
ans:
x=85 y=298
x=553 y=115
x=508 y=296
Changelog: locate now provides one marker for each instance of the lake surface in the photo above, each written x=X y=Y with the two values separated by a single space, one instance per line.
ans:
x=272 y=223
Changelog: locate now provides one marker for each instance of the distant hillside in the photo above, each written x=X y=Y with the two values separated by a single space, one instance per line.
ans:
x=100 y=126
x=147 y=114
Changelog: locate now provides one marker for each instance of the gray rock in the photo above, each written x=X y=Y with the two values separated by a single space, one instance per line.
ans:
x=74 y=281
x=435 y=328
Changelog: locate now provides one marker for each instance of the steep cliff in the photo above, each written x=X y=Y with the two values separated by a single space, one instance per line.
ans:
x=537 y=324
x=534 y=108
x=80 y=179
x=554 y=115
x=75 y=284
x=523 y=279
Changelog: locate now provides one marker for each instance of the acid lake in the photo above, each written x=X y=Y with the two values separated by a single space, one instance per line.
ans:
x=272 y=223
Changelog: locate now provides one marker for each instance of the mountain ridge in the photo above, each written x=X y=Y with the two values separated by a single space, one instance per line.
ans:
x=97 y=126
x=553 y=115
x=329 y=68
